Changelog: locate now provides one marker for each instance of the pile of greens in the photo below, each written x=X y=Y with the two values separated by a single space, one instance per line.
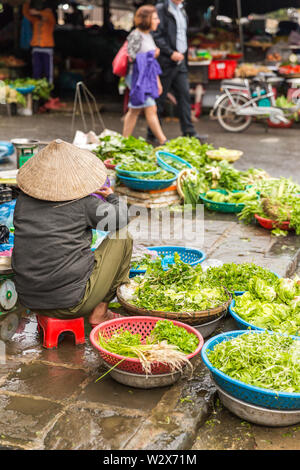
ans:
x=279 y=201
x=121 y=149
x=264 y=360
x=189 y=149
x=273 y=306
x=136 y=164
x=177 y=289
x=239 y=197
x=165 y=330
x=123 y=342
x=236 y=277
x=162 y=175
x=287 y=106
x=42 y=88
x=174 y=163
x=167 y=344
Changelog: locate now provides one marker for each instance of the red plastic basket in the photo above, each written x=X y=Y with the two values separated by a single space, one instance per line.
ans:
x=221 y=69
x=143 y=326
x=272 y=224
x=108 y=164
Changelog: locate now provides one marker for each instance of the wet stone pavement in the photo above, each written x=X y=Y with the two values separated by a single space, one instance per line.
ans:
x=49 y=399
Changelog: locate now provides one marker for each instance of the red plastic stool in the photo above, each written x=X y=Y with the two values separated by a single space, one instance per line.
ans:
x=52 y=328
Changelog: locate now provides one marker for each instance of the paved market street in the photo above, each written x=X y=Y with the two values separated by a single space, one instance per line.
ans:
x=49 y=398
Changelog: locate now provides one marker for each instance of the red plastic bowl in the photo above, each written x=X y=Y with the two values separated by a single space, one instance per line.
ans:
x=234 y=56
x=281 y=125
x=271 y=224
x=143 y=326
x=109 y=165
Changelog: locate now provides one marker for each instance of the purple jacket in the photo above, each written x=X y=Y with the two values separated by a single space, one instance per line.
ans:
x=144 y=78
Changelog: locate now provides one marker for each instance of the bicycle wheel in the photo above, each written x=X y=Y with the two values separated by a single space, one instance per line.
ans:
x=228 y=119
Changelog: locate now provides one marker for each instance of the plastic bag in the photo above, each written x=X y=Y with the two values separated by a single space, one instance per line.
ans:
x=98 y=237
x=7 y=214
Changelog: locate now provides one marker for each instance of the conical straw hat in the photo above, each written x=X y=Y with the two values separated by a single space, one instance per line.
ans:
x=61 y=172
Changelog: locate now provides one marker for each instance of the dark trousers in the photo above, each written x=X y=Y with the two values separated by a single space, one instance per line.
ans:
x=176 y=78
x=42 y=64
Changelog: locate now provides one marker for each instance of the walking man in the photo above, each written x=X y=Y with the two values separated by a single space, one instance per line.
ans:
x=171 y=38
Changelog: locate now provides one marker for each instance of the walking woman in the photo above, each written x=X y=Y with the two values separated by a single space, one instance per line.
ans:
x=143 y=75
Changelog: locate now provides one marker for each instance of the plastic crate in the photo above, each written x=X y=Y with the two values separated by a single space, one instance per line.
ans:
x=242 y=391
x=221 y=69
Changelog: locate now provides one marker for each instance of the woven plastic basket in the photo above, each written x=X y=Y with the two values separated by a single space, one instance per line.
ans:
x=146 y=185
x=190 y=318
x=187 y=255
x=248 y=393
x=166 y=166
x=143 y=326
x=222 y=206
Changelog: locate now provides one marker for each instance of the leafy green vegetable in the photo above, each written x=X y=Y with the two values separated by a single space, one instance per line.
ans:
x=165 y=330
x=42 y=87
x=275 y=307
x=279 y=201
x=174 y=163
x=264 y=360
x=121 y=342
x=236 y=277
x=162 y=175
x=120 y=149
x=177 y=289
x=138 y=165
x=165 y=344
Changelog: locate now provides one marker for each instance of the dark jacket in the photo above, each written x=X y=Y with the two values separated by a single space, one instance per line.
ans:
x=165 y=35
x=144 y=78
x=52 y=259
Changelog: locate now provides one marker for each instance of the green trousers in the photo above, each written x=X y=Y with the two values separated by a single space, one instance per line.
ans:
x=111 y=269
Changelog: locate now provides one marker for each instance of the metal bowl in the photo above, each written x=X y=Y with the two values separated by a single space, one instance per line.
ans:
x=143 y=381
x=257 y=414
x=208 y=328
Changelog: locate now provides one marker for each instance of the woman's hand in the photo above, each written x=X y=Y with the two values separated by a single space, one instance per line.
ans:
x=105 y=192
x=157 y=52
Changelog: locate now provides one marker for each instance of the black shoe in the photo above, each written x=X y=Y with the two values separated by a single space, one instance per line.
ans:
x=202 y=138
x=153 y=141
